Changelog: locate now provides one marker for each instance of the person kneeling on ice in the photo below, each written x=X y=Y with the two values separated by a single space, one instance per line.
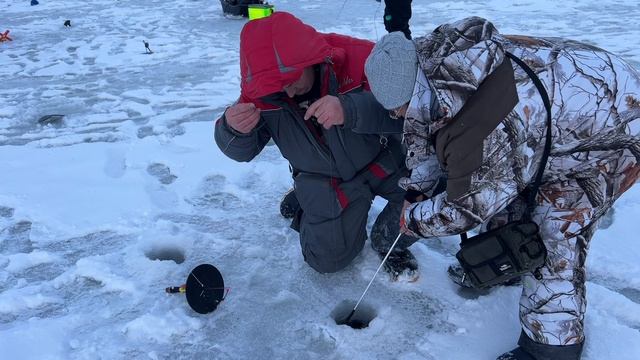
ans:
x=307 y=92
x=476 y=105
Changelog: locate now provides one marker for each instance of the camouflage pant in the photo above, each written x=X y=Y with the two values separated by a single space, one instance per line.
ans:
x=552 y=309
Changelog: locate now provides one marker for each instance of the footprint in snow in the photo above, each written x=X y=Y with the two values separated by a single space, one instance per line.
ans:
x=162 y=173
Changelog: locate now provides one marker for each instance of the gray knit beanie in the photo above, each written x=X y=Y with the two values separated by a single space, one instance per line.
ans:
x=391 y=69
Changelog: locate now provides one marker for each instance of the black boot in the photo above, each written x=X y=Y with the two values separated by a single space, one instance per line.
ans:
x=289 y=205
x=531 y=350
x=401 y=265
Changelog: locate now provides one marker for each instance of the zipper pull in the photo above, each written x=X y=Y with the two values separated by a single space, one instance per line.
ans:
x=384 y=141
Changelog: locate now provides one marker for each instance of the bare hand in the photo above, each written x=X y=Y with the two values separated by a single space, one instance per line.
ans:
x=403 y=222
x=242 y=117
x=328 y=110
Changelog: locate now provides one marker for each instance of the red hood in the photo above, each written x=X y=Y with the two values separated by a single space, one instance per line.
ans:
x=275 y=50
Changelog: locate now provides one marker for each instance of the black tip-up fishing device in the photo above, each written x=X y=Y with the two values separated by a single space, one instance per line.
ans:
x=204 y=289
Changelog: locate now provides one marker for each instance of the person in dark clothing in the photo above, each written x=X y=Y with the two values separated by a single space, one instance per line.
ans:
x=237 y=8
x=307 y=92
x=397 y=14
x=146 y=47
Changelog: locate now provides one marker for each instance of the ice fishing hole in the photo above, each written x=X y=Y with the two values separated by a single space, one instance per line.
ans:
x=166 y=253
x=364 y=314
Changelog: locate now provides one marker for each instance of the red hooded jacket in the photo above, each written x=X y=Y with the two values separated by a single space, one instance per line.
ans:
x=275 y=50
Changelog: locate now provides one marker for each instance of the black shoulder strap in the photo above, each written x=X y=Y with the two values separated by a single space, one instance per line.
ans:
x=533 y=190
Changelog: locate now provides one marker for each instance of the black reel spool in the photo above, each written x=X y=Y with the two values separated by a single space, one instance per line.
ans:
x=204 y=288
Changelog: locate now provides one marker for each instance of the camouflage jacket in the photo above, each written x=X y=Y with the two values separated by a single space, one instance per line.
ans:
x=595 y=98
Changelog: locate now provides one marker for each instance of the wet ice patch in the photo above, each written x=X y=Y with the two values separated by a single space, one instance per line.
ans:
x=212 y=193
x=95 y=243
x=6 y=212
x=170 y=131
x=317 y=339
x=16 y=237
x=631 y=294
x=201 y=223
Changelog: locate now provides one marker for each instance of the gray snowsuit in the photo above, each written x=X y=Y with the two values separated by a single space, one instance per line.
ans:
x=595 y=105
x=337 y=172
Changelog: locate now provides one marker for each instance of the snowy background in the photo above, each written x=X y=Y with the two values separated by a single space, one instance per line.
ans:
x=102 y=210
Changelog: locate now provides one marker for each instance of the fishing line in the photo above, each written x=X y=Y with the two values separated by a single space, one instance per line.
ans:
x=375 y=16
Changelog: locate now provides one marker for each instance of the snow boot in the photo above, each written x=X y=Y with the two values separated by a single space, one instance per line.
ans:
x=289 y=205
x=401 y=265
x=531 y=350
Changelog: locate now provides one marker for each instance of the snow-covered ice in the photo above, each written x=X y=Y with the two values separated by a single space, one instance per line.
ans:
x=123 y=196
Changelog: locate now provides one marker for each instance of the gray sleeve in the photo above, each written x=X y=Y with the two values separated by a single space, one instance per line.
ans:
x=238 y=146
x=364 y=115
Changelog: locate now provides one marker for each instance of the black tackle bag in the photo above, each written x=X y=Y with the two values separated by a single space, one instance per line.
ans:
x=499 y=255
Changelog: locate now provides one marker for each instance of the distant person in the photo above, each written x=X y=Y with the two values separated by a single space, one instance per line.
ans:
x=476 y=106
x=307 y=92
x=5 y=36
x=397 y=14
x=146 y=47
x=237 y=8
